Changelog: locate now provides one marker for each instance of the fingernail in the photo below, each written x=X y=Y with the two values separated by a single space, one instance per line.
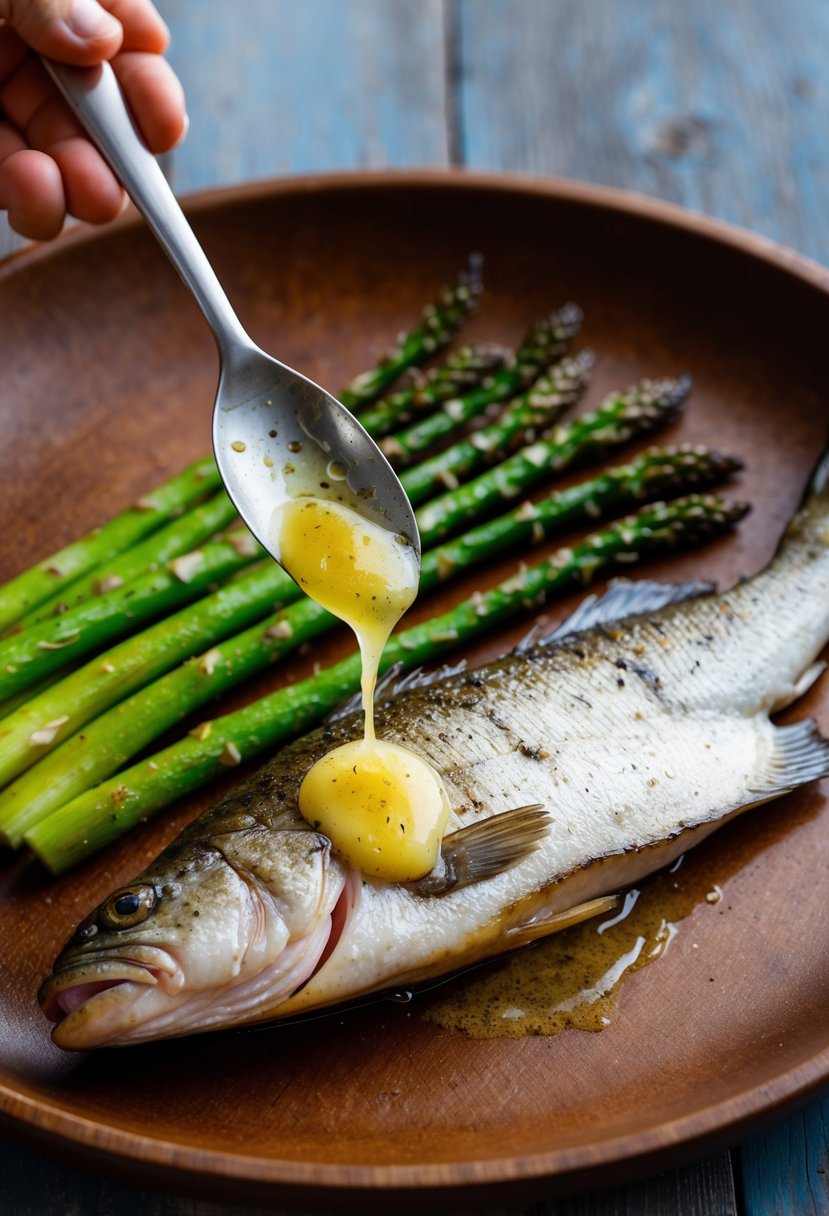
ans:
x=88 y=20
x=185 y=128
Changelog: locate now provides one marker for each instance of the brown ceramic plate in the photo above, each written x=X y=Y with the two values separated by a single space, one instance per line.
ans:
x=107 y=380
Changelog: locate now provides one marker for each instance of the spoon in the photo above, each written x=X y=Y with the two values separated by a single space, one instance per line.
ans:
x=276 y=434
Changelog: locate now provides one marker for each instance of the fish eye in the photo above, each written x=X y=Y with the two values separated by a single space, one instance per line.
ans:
x=127 y=908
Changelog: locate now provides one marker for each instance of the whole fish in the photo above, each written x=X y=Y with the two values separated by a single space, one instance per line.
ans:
x=575 y=766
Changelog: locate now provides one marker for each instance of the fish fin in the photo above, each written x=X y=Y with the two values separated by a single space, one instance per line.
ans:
x=800 y=755
x=392 y=683
x=352 y=704
x=810 y=676
x=626 y=597
x=483 y=849
x=543 y=926
x=418 y=678
x=534 y=636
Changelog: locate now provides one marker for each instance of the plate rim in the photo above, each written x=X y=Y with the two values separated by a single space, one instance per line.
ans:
x=42 y=1123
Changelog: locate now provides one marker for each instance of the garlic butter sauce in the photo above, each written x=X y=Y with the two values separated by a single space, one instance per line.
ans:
x=383 y=807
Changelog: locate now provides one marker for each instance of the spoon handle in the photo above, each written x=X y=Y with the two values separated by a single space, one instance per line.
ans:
x=95 y=97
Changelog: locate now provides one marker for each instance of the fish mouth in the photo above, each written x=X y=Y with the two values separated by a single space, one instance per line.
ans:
x=80 y=991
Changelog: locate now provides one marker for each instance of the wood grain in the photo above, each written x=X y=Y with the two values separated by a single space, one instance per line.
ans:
x=787 y=1169
x=720 y=107
x=299 y=88
x=703 y=1189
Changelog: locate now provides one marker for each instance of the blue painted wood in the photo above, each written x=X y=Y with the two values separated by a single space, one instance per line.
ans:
x=721 y=107
x=276 y=87
x=787 y=1170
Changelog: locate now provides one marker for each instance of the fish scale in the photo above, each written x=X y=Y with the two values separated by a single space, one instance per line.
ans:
x=575 y=766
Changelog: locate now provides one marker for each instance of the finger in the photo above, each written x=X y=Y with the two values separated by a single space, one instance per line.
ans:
x=72 y=31
x=11 y=142
x=32 y=187
x=46 y=123
x=13 y=51
x=144 y=29
x=93 y=193
x=155 y=97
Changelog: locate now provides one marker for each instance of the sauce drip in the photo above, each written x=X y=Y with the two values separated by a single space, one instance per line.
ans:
x=383 y=807
x=572 y=979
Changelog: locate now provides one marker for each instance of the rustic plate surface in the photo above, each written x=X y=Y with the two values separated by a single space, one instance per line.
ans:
x=108 y=377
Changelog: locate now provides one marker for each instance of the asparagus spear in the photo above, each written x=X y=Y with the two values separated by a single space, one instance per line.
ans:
x=108 y=742
x=544 y=343
x=463 y=370
x=642 y=408
x=656 y=473
x=531 y=414
x=439 y=322
x=33 y=728
x=62 y=568
x=181 y=536
x=99 y=815
x=29 y=657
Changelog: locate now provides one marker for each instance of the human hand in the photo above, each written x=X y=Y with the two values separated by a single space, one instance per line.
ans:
x=48 y=167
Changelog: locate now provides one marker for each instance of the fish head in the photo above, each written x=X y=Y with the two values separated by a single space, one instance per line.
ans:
x=211 y=931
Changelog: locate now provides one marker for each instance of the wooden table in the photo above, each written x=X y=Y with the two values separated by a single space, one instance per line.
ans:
x=721 y=107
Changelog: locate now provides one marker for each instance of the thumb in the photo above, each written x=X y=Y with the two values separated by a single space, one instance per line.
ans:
x=72 y=31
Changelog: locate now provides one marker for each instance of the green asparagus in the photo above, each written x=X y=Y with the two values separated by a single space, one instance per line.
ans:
x=463 y=370
x=656 y=473
x=29 y=657
x=99 y=815
x=108 y=742
x=543 y=344
x=631 y=414
x=181 y=536
x=530 y=415
x=35 y=727
x=439 y=322
x=39 y=582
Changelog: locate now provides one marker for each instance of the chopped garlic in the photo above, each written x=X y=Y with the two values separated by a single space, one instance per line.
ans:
x=210 y=661
x=282 y=629
x=110 y=583
x=243 y=543
x=47 y=734
x=230 y=755
x=70 y=641
x=188 y=565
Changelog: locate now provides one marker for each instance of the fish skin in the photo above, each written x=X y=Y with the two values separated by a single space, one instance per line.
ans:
x=640 y=735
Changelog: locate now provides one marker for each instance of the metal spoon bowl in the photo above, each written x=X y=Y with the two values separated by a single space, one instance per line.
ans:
x=276 y=434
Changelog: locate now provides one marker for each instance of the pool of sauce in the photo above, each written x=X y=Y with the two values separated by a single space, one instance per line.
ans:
x=572 y=979
x=383 y=807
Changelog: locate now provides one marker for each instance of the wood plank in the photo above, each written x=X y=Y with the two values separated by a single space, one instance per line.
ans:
x=705 y=1188
x=33 y=1185
x=787 y=1170
x=721 y=107
x=299 y=88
